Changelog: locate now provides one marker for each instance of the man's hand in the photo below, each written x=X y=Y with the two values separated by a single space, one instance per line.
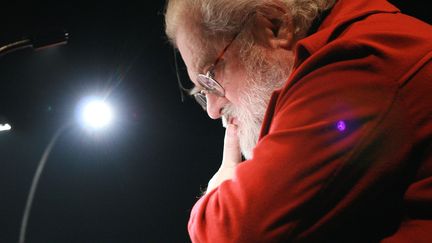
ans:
x=231 y=158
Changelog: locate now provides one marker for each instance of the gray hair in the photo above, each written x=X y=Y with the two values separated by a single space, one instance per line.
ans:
x=220 y=19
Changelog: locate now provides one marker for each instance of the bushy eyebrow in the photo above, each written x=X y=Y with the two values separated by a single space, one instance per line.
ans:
x=203 y=65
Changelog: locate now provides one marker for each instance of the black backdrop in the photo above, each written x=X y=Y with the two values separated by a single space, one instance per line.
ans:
x=135 y=182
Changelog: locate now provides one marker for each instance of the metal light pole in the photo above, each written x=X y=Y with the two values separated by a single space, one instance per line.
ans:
x=36 y=178
x=37 y=42
x=96 y=114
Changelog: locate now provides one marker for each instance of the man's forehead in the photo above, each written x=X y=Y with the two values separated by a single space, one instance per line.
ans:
x=187 y=53
x=193 y=52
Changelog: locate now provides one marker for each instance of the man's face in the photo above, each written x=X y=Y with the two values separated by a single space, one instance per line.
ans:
x=248 y=80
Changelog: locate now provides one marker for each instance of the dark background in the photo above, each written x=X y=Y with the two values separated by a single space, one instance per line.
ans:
x=134 y=182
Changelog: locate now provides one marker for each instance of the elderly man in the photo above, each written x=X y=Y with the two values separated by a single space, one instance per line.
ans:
x=330 y=104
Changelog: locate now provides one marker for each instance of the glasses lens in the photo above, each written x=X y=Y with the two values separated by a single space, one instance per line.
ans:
x=201 y=99
x=210 y=85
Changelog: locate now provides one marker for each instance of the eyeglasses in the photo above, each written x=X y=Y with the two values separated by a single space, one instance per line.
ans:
x=208 y=83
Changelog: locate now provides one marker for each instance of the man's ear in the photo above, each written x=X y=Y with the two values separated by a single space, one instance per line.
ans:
x=274 y=28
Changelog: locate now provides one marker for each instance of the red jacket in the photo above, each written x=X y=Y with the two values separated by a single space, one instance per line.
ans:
x=345 y=153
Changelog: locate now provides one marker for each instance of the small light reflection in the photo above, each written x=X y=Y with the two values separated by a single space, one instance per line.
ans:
x=341 y=126
x=5 y=127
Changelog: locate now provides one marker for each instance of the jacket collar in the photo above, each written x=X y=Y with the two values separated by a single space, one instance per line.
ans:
x=343 y=12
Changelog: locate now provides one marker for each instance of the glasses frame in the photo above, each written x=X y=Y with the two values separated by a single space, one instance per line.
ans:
x=208 y=82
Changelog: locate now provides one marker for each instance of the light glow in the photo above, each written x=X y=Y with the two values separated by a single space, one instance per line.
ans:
x=96 y=114
x=341 y=126
x=5 y=127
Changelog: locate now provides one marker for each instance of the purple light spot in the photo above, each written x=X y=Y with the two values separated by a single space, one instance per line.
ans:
x=341 y=126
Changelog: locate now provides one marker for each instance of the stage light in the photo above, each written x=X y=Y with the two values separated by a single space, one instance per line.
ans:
x=96 y=114
x=5 y=127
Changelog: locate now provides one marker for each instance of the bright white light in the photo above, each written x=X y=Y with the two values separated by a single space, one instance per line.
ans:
x=96 y=114
x=5 y=127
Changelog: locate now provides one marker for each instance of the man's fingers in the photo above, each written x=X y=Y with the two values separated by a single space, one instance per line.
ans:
x=232 y=154
x=231 y=157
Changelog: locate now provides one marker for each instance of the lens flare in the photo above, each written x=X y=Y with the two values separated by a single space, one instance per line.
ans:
x=341 y=126
x=96 y=114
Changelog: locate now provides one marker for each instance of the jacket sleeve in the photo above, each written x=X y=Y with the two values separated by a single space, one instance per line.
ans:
x=334 y=158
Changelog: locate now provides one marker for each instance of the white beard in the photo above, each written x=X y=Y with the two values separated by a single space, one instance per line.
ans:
x=249 y=118
x=265 y=76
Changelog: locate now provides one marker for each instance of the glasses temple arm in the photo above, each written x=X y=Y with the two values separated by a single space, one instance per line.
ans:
x=182 y=89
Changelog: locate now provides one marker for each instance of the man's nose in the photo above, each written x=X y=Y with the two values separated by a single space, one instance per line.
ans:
x=215 y=105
